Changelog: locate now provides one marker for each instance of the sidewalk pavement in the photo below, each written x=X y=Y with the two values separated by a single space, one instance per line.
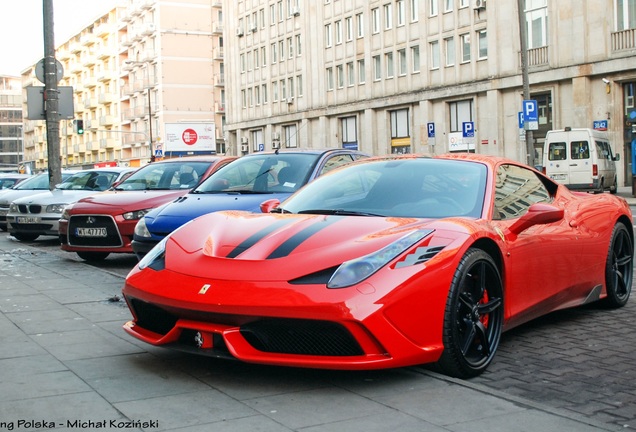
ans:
x=65 y=363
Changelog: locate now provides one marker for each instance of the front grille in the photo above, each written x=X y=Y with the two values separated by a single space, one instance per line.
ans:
x=152 y=318
x=93 y=221
x=30 y=208
x=305 y=337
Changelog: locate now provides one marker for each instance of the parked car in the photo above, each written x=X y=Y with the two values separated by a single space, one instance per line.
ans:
x=7 y=181
x=34 y=185
x=101 y=224
x=242 y=185
x=387 y=262
x=35 y=215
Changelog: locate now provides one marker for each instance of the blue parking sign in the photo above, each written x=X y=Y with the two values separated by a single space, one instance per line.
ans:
x=531 y=114
x=431 y=130
x=468 y=129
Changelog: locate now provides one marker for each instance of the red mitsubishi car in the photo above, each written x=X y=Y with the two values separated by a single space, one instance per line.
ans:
x=100 y=225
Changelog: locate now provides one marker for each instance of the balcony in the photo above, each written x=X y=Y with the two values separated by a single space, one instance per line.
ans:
x=148 y=29
x=106 y=98
x=146 y=4
x=107 y=143
x=217 y=28
x=107 y=120
x=106 y=75
x=90 y=102
x=217 y=53
x=537 y=56
x=219 y=80
x=219 y=108
x=623 y=40
x=89 y=82
x=79 y=107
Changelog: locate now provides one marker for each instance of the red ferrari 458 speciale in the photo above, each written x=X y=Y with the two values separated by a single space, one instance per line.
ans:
x=387 y=262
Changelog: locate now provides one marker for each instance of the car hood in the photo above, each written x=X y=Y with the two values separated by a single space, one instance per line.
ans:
x=169 y=217
x=56 y=196
x=285 y=247
x=110 y=202
x=8 y=196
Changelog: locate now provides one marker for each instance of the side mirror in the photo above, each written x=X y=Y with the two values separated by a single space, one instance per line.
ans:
x=537 y=214
x=617 y=157
x=269 y=205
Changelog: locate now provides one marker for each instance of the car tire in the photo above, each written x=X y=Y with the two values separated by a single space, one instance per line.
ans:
x=474 y=316
x=25 y=236
x=614 y=189
x=619 y=268
x=93 y=256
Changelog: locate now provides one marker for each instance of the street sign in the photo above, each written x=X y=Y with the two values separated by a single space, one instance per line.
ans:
x=35 y=103
x=431 y=130
x=468 y=130
x=520 y=119
x=600 y=125
x=39 y=71
x=531 y=114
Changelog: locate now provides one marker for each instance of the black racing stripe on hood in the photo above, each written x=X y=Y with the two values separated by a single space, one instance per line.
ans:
x=256 y=237
x=297 y=239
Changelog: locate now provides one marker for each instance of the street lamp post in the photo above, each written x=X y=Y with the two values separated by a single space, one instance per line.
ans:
x=147 y=64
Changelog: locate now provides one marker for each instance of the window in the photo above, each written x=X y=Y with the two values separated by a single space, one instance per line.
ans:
x=351 y=76
x=388 y=60
x=400 y=124
x=263 y=56
x=375 y=19
x=388 y=16
x=415 y=58
x=557 y=151
x=349 y=131
x=349 y=29
x=264 y=93
x=401 y=17
x=415 y=7
x=360 y=25
x=463 y=3
x=482 y=45
x=625 y=14
x=338 y=32
x=460 y=112
x=328 y=40
x=537 y=23
x=255 y=57
x=579 y=150
x=450 y=51
x=448 y=5
x=283 y=90
x=275 y=91
x=377 y=68
x=433 y=7
x=290 y=47
x=243 y=99
x=516 y=190
x=329 y=78
x=340 y=76
x=272 y=14
x=290 y=86
x=402 y=62
x=291 y=139
x=299 y=46
x=242 y=60
x=434 y=55
x=361 y=72
x=299 y=85
x=281 y=48
x=465 y=46
x=274 y=54
x=257 y=95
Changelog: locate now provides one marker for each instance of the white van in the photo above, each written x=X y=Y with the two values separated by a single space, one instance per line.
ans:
x=581 y=159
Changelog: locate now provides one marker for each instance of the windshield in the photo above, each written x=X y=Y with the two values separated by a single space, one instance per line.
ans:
x=166 y=176
x=89 y=180
x=262 y=173
x=40 y=181
x=414 y=187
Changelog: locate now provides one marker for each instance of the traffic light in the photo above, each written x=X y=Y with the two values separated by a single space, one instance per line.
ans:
x=80 y=126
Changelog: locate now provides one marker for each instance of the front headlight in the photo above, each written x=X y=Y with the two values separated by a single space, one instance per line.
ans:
x=141 y=230
x=55 y=208
x=359 y=269
x=13 y=208
x=134 y=215
x=155 y=259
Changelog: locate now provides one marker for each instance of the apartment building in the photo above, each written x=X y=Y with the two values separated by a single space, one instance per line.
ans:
x=10 y=123
x=140 y=74
x=404 y=76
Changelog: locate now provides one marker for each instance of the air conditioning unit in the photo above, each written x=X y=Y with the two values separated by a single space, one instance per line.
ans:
x=275 y=144
x=253 y=28
x=244 y=148
x=479 y=4
x=295 y=11
x=239 y=32
x=275 y=136
x=244 y=140
x=290 y=101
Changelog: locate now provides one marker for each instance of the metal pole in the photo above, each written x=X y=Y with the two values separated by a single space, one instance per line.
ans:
x=526 y=81
x=51 y=97
x=150 y=117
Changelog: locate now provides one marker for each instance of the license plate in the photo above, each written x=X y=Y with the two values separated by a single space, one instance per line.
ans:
x=90 y=232
x=27 y=220
x=558 y=177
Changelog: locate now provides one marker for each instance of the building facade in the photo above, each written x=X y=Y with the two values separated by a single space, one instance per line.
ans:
x=138 y=73
x=405 y=76
x=10 y=123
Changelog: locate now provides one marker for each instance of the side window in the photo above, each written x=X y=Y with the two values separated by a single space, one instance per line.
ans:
x=579 y=150
x=557 y=151
x=335 y=162
x=516 y=189
x=603 y=150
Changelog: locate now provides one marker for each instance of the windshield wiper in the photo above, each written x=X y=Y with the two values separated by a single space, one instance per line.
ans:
x=280 y=210
x=339 y=212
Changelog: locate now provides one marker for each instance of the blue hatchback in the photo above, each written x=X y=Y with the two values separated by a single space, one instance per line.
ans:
x=241 y=185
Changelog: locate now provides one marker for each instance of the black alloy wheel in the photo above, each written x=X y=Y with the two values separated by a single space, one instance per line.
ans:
x=474 y=316
x=93 y=256
x=619 y=268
